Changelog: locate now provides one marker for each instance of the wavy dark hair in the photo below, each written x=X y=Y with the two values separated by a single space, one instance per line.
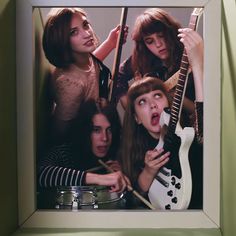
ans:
x=82 y=127
x=56 y=36
x=135 y=136
x=155 y=20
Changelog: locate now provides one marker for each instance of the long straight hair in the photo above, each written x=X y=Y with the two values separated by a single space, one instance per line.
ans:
x=155 y=20
x=82 y=128
x=134 y=135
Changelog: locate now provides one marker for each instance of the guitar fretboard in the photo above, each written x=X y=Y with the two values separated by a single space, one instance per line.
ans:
x=182 y=81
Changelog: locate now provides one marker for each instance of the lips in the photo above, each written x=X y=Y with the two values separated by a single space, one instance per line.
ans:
x=102 y=149
x=155 y=119
x=89 y=43
x=162 y=51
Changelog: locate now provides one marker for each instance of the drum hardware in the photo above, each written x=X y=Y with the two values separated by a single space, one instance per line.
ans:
x=87 y=197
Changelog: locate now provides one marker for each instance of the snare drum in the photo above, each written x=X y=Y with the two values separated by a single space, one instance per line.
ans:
x=88 y=197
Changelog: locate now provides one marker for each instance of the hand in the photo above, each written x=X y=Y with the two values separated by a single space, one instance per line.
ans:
x=114 y=165
x=194 y=47
x=154 y=160
x=193 y=44
x=114 y=33
x=116 y=181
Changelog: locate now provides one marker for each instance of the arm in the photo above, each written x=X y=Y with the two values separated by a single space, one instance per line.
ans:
x=68 y=96
x=109 y=44
x=193 y=44
x=56 y=169
x=116 y=180
x=195 y=49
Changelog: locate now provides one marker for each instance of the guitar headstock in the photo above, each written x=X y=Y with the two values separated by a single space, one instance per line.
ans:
x=197 y=11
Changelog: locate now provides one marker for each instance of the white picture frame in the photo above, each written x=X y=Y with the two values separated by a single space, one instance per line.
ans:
x=30 y=217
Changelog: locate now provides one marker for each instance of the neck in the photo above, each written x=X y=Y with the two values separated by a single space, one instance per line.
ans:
x=155 y=135
x=83 y=61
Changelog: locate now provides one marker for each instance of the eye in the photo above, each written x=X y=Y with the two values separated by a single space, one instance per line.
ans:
x=157 y=95
x=148 y=41
x=96 y=129
x=74 y=32
x=109 y=131
x=86 y=24
x=141 y=102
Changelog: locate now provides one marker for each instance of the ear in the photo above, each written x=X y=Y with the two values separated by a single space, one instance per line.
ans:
x=137 y=119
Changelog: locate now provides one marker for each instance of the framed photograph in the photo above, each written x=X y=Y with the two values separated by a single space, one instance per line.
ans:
x=30 y=97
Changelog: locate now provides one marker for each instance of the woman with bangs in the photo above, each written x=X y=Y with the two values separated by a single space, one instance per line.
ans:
x=140 y=159
x=159 y=42
x=70 y=44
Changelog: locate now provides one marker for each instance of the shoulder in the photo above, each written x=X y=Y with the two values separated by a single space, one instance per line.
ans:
x=126 y=67
x=61 y=150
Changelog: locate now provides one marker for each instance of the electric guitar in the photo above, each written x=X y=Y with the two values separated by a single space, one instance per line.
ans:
x=171 y=189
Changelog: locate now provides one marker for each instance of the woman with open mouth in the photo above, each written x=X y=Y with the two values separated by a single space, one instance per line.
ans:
x=94 y=136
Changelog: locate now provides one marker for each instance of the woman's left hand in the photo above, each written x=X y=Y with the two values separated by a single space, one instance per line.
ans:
x=114 y=34
x=193 y=44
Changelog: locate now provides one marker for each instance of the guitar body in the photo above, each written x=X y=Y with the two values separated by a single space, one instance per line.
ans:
x=169 y=191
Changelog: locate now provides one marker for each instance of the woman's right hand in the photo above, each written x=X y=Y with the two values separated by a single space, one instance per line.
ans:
x=154 y=160
x=117 y=181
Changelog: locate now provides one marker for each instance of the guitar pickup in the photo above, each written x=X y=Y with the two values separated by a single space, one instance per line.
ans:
x=164 y=172
x=162 y=181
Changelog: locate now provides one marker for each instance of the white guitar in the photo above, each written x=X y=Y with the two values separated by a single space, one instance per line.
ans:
x=172 y=187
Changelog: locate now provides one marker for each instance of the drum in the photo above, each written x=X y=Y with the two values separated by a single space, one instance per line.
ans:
x=88 y=197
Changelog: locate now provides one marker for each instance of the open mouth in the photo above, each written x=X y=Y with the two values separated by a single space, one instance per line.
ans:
x=102 y=149
x=155 y=119
x=89 y=43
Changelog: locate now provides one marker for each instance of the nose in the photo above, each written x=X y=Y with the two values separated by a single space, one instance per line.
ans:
x=158 y=43
x=153 y=104
x=85 y=33
x=104 y=136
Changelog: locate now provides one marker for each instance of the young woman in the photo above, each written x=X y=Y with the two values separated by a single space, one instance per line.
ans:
x=71 y=45
x=94 y=135
x=140 y=160
x=158 y=49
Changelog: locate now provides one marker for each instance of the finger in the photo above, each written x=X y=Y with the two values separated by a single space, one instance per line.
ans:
x=159 y=162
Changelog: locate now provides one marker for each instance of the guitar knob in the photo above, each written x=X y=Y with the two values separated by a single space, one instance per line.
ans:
x=167 y=207
x=173 y=181
x=170 y=193
x=178 y=185
x=174 y=200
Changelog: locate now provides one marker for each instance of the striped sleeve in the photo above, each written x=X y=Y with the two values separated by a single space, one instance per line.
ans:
x=56 y=169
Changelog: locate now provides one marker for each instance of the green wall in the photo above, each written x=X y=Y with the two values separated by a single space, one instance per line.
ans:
x=8 y=171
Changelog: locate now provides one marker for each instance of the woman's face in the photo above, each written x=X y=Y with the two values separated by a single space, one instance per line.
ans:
x=157 y=45
x=148 y=108
x=101 y=136
x=81 y=34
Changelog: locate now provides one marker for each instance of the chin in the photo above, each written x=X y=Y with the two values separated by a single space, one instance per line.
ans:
x=100 y=155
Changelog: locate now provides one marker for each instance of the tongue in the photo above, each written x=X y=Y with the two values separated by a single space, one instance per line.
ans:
x=155 y=120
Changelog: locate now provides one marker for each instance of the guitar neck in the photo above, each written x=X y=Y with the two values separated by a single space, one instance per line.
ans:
x=182 y=81
x=117 y=57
